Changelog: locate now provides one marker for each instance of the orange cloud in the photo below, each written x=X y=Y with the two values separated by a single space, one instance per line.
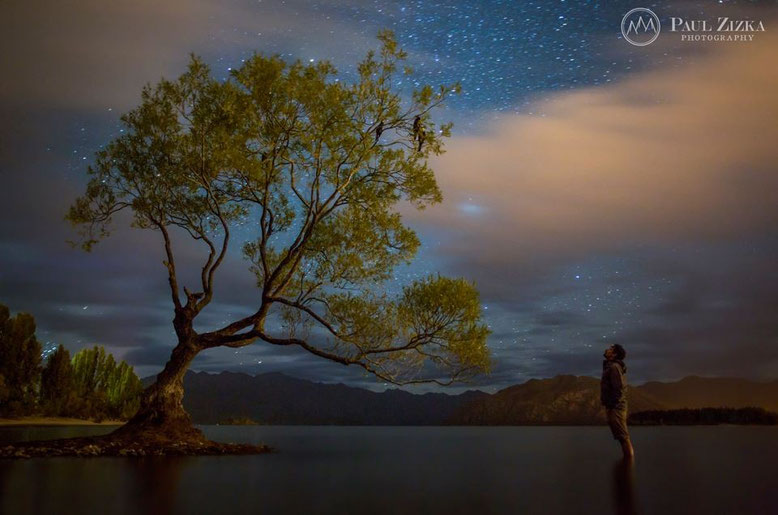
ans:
x=679 y=154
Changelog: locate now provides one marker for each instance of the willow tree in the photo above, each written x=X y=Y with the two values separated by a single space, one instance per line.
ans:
x=313 y=167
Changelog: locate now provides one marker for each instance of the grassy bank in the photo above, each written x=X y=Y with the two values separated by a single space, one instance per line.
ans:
x=56 y=421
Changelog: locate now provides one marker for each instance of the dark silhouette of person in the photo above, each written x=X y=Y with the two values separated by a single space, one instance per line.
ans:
x=613 y=395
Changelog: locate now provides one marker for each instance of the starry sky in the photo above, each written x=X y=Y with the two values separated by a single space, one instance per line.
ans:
x=595 y=191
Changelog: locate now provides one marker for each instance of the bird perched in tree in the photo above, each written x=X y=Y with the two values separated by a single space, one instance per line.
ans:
x=418 y=132
x=379 y=130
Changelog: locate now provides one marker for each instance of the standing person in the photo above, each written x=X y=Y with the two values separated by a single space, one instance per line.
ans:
x=613 y=395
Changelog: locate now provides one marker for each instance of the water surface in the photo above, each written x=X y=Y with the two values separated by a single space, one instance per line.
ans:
x=404 y=470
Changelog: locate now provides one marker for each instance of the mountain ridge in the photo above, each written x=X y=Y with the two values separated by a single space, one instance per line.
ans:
x=277 y=398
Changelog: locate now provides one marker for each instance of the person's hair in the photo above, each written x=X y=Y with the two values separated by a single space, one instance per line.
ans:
x=619 y=350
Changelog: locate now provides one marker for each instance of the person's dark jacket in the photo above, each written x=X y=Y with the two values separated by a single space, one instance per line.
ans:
x=613 y=385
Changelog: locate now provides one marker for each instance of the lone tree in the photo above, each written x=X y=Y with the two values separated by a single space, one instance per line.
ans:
x=312 y=167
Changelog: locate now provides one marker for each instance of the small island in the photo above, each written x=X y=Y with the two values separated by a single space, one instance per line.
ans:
x=239 y=421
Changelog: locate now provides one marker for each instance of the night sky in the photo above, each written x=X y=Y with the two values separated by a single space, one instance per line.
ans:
x=597 y=192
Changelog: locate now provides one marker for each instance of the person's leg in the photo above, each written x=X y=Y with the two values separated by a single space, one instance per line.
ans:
x=617 y=420
x=627 y=449
x=626 y=441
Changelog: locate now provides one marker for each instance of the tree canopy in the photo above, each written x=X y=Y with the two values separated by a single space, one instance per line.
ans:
x=58 y=395
x=108 y=388
x=312 y=167
x=20 y=363
x=91 y=385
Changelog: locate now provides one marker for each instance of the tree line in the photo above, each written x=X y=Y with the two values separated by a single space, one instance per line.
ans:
x=704 y=416
x=90 y=385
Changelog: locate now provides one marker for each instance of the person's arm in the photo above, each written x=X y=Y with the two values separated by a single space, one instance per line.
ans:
x=608 y=395
x=617 y=380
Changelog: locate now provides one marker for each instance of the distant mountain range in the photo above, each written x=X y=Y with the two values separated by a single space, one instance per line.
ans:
x=275 y=398
x=569 y=399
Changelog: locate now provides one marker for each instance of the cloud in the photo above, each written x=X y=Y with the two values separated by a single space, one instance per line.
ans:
x=668 y=156
x=92 y=55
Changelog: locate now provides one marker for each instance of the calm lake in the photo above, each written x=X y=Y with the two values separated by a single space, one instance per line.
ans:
x=356 y=470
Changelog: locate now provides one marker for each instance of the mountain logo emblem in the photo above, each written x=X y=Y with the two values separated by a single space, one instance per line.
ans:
x=640 y=26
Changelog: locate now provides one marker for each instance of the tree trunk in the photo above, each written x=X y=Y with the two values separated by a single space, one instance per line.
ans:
x=161 y=414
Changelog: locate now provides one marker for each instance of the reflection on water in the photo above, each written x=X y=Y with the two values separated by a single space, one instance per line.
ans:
x=408 y=470
x=624 y=487
x=157 y=480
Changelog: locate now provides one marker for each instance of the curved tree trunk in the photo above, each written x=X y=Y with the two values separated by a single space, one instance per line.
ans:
x=161 y=414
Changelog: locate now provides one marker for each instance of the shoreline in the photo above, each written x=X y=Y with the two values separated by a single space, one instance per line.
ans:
x=64 y=421
x=55 y=421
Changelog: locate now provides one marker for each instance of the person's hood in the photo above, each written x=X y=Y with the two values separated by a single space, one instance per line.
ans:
x=606 y=364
